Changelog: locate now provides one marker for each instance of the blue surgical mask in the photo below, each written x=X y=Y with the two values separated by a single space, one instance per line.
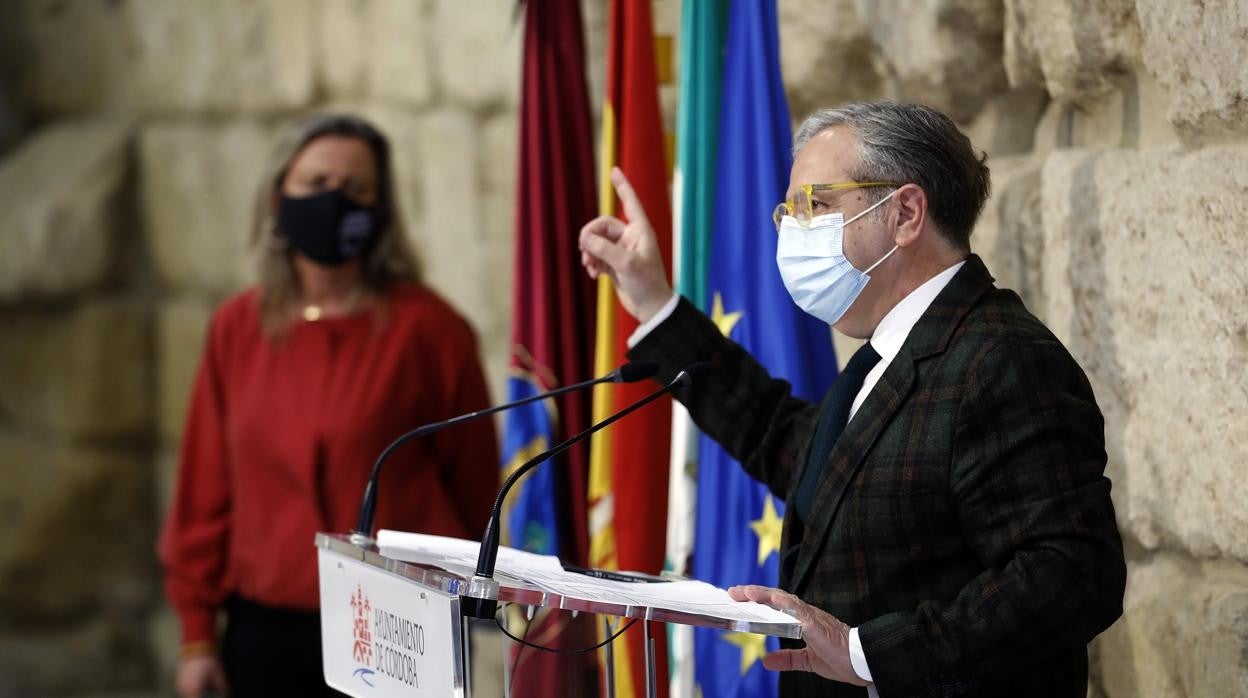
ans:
x=812 y=263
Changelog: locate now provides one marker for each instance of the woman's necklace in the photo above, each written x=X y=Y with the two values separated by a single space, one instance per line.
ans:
x=349 y=303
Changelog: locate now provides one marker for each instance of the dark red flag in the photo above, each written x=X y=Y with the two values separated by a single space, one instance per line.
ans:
x=552 y=327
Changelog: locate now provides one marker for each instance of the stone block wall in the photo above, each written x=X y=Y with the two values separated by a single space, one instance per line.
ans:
x=133 y=134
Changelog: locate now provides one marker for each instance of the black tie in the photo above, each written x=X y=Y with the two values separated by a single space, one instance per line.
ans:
x=833 y=416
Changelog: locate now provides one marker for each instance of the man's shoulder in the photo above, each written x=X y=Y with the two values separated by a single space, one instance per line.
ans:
x=1000 y=317
x=1000 y=330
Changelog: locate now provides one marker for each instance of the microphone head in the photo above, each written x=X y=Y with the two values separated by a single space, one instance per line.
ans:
x=693 y=372
x=634 y=371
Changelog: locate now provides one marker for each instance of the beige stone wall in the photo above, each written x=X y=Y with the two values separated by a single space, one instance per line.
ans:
x=132 y=134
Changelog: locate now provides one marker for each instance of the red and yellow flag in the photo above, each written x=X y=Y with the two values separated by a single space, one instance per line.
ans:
x=629 y=461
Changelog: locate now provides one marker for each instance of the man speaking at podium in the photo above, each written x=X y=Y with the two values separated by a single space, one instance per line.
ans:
x=949 y=529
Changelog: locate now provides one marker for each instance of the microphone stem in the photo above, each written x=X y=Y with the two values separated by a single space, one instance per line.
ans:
x=524 y=401
x=364 y=524
x=488 y=555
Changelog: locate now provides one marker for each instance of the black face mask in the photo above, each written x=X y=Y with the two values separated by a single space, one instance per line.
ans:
x=328 y=228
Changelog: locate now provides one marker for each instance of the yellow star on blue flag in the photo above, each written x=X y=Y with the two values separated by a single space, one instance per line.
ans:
x=767 y=528
x=753 y=647
x=724 y=321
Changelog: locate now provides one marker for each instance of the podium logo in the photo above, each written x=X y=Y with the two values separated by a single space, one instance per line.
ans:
x=362 y=645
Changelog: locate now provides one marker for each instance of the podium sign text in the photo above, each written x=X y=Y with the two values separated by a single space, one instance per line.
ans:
x=383 y=636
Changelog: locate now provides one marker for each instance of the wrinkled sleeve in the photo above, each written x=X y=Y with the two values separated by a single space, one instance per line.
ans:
x=193 y=544
x=1027 y=477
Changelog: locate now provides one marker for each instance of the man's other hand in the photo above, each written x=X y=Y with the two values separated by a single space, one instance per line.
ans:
x=827 y=639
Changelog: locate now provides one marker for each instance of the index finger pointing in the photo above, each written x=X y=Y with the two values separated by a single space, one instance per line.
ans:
x=633 y=209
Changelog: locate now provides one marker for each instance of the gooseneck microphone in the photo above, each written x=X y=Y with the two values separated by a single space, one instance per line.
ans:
x=363 y=534
x=482 y=583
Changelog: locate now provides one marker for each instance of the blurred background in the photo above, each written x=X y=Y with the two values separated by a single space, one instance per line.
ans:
x=133 y=134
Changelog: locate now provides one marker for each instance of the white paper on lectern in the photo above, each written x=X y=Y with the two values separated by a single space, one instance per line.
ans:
x=421 y=547
x=546 y=572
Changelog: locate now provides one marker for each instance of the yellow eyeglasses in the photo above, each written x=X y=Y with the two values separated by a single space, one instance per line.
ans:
x=801 y=206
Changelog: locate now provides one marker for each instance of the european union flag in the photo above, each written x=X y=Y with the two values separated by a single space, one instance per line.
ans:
x=737 y=536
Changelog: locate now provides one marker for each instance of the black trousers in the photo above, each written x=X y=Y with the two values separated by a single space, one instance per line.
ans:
x=272 y=651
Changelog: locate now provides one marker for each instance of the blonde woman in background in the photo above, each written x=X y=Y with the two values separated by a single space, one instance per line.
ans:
x=304 y=379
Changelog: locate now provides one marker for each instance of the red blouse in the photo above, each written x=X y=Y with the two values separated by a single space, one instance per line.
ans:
x=280 y=438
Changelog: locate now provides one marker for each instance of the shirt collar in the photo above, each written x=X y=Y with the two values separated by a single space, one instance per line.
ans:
x=892 y=331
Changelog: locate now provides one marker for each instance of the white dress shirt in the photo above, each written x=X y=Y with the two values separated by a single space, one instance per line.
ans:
x=887 y=339
x=644 y=328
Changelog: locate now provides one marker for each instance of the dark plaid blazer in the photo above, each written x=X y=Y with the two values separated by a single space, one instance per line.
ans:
x=963 y=521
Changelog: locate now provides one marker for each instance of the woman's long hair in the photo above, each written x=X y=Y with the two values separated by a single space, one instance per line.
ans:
x=390 y=259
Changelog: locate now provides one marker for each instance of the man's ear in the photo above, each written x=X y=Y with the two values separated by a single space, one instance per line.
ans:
x=910 y=214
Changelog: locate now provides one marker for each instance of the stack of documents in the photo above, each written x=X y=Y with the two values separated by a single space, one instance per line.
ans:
x=546 y=573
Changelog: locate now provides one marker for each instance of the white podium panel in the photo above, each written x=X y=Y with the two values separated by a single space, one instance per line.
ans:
x=383 y=636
